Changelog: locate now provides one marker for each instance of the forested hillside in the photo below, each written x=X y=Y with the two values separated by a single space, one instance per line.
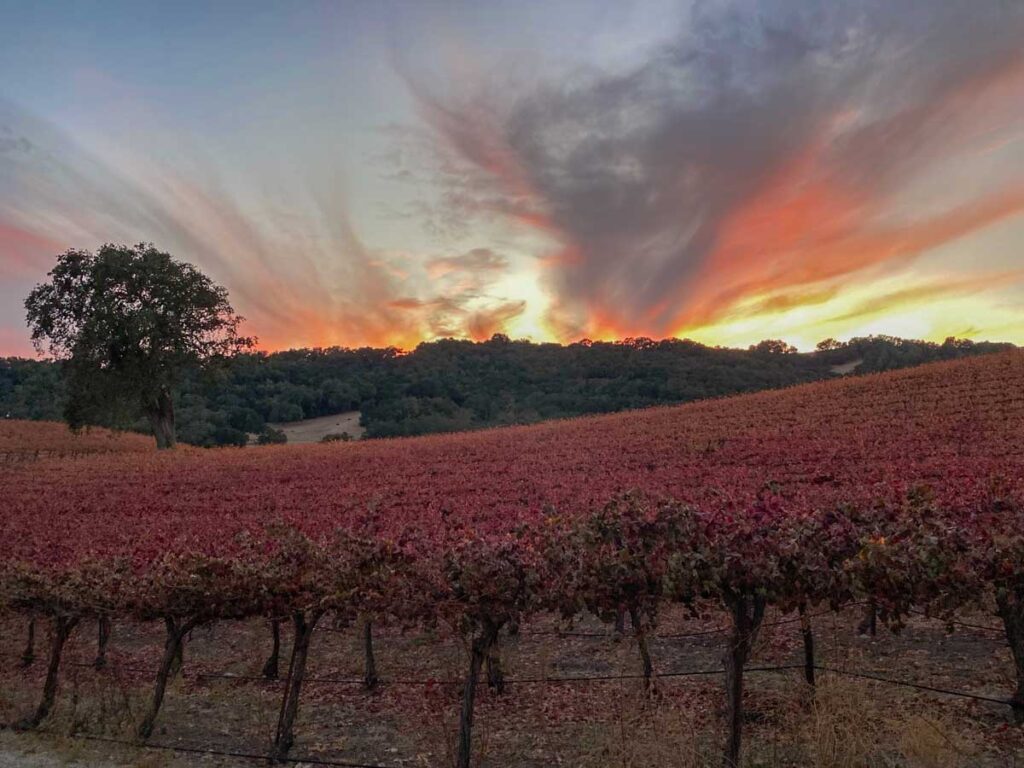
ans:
x=454 y=385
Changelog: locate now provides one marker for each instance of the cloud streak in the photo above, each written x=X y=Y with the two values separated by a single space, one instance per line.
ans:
x=763 y=170
x=311 y=282
x=767 y=152
x=929 y=292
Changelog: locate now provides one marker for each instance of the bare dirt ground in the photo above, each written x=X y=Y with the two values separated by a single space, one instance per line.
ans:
x=846 y=368
x=314 y=430
x=411 y=719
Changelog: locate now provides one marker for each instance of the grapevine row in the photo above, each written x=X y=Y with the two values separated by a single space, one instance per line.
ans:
x=903 y=490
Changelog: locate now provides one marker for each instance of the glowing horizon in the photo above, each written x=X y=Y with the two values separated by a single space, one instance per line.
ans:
x=385 y=174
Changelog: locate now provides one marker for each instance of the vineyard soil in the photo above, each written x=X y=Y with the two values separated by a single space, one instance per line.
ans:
x=590 y=724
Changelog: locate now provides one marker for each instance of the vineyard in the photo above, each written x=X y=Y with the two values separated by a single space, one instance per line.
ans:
x=26 y=440
x=897 y=497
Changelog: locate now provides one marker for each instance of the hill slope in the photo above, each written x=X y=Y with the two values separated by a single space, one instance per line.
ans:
x=450 y=386
x=953 y=426
x=33 y=439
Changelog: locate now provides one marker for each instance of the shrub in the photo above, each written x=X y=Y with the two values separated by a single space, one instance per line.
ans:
x=271 y=436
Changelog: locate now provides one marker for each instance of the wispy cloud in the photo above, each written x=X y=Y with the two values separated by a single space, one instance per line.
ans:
x=928 y=292
x=308 y=281
x=770 y=167
x=767 y=150
x=485 y=322
x=476 y=261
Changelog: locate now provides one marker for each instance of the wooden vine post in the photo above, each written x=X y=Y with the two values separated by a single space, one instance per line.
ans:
x=807 y=632
x=747 y=616
x=495 y=673
x=370 y=679
x=869 y=623
x=650 y=687
x=103 y=628
x=1010 y=603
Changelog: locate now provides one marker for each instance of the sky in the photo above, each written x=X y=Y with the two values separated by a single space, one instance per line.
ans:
x=383 y=173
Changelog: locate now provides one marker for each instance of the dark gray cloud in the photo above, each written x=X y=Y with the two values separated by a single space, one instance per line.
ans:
x=756 y=153
x=476 y=261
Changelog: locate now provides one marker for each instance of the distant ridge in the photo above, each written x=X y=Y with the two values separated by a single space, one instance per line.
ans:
x=454 y=386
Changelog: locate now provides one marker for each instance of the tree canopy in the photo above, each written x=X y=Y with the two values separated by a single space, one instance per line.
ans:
x=127 y=323
x=450 y=385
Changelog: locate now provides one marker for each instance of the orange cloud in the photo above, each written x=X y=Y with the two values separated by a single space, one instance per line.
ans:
x=772 y=173
x=773 y=181
x=802 y=229
x=484 y=323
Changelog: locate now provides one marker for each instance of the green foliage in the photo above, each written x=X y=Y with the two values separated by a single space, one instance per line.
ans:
x=773 y=347
x=126 y=322
x=826 y=345
x=271 y=436
x=30 y=389
x=450 y=385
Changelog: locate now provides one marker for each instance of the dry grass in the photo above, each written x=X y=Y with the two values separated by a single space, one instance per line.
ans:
x=315 y=430
x=845 y=724
x=842 y=724
x=843 y=728
x=647 y=733
x=927 y=742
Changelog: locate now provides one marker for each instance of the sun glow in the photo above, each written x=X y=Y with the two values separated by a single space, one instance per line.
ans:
x=890 y=306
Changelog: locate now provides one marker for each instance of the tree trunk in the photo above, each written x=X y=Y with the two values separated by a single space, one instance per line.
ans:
x=495 y=673
x=285 y=737
x=370 y=663
x=169 y=664
x=747 y=615
x=620 y=625
x=102 y=638
x=270 y=667
x=1011 y=611
x=478 y=651
x=808 y=635
x=645 y=653
x=161 y=419
x=29 y=654
x=869 y=624
x=178 y=662
x=63 y=626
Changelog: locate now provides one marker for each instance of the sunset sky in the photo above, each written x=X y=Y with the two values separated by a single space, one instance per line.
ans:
x=381 y=173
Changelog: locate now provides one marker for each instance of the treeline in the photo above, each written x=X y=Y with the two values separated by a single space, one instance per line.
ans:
x=453 y=385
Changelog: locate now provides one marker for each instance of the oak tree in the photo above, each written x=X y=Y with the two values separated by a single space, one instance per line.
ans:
x=127 y=322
